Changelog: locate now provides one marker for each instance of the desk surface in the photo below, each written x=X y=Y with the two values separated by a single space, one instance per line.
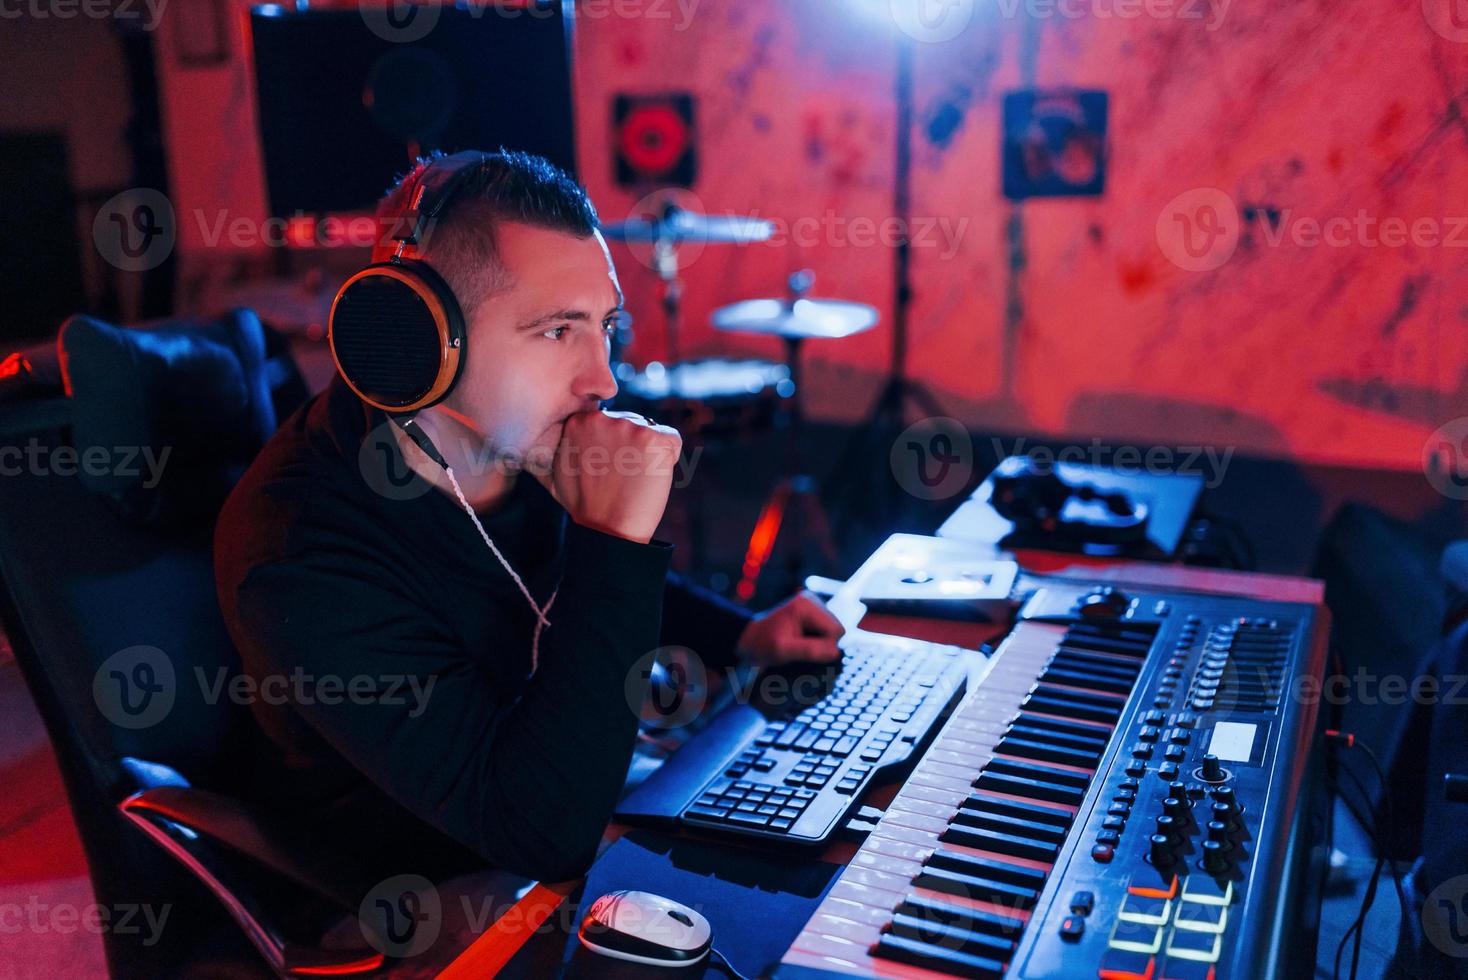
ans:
x=510 y=937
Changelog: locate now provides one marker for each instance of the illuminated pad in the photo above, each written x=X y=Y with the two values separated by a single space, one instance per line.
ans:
x=1137 y=937
x=1200 y=947
x=1205 y=890
x=1202 y=918
x=1147 y=911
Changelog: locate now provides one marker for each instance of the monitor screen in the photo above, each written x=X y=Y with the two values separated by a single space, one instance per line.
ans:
x=347 y=97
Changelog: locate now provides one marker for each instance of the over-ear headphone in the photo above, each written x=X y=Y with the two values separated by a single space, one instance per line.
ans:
x=396 y=331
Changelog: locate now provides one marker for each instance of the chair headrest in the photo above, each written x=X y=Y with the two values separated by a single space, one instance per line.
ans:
x=179 y=410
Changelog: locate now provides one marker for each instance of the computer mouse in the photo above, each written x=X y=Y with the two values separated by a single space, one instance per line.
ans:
x=644 y=928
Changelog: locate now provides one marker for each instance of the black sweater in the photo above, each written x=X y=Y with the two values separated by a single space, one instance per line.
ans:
x=346 y=603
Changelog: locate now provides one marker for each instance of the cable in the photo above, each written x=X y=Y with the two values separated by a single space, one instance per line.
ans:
x=725 y=965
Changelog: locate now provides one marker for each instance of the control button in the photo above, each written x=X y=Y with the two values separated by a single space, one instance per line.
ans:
x=1120 y=964
x=1218 y=831
x=1150 y=733
x=1120 y=809
x=1167 y=890
x=1169 y=827
x=1196 y=790
x=1200 y=947
x=1177 y=808
x=1072 y=928
x=1201 y=918
x=1125 y=796
x=1109 y=837
x=1212 y=771
x=1162 y=702
x=1208 y=891
x=1141 y=751
x=1160 y=851
x=1179 y=736
x=1114 y=823
x=1154 y=718
x=1223 y=813
x=1147 y=911
x=1135 y=768
x=1137 y=937
x=1175 y=753
x=1104 y=603
x=1081 y=903
x=1185 y=719
x=1177 y=969
x=1129 y=784
x=1168 y=771
x=1225 y=794
x=1103 y=853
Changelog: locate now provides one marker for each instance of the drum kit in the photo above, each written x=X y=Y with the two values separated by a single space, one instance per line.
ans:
x=719 y=399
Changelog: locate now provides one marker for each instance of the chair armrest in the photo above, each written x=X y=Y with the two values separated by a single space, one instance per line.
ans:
x=233 y=853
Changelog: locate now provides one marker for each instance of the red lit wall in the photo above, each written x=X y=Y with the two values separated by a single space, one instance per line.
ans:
x=1064 y=317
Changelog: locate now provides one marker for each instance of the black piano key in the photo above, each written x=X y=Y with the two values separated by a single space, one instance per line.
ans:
x=979 y=889
x=1083 y=661
x=1035 y=770
x=992 y=869
x=918 y=953
x=1001 y=843
x=1067 y=708
x=1125 y=648
x=1097 y=682
x=1049 y=690
x=1062 y=727
x=975 y=920
x=1048 y=752
x=1033 y=788
x=1024 y=810
x=950 y=937
x=1009 y=824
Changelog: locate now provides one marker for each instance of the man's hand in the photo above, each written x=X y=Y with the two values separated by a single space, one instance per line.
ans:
x=612 y=472
x=800 y=629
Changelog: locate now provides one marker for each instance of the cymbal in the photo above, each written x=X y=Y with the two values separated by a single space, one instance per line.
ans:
x=678 y=225
x=804 y=319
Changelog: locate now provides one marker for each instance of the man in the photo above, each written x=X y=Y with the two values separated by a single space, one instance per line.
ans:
x=430 y=728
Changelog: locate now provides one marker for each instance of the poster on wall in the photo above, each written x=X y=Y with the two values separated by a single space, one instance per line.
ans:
x=1054 y=144
x=655 y=140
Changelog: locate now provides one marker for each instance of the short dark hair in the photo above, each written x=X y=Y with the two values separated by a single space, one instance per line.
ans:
x=462 y=244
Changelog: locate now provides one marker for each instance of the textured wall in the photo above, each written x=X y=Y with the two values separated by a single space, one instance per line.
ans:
x=1072 y=317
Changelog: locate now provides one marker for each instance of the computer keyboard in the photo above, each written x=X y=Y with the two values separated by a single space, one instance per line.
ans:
x=798 y=778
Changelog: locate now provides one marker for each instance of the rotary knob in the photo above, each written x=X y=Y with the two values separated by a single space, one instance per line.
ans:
x=1169 y=827
x=1215 y=861
x=1176 y=807
x=1218 y=831
x=1161 y=850
x=1212 y=770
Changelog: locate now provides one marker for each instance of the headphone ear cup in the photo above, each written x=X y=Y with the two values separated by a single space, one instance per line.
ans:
x=397 y=336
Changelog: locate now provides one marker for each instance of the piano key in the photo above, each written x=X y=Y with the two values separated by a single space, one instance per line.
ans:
x=951 y=937
x=1100 y=682
x=937 y=958
x=1064 y=727
x=1048 y=752
x=983 y=889
x=949 y=913
x=1038 y=732
x=984 y=867
x=1047 y=689
x=984 y=803
x=1033 y=788
x=1037 y=770
x=1001 y=843
x=1067 y=707
x=1009 y=825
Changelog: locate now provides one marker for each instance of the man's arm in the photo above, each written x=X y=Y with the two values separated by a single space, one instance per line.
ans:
x=702 y=621
x=528 y=785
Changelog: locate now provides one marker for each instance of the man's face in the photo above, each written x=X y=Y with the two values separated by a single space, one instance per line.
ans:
x=538 y=351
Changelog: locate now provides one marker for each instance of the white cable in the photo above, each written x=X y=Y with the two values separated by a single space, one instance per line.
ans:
x=540 y=612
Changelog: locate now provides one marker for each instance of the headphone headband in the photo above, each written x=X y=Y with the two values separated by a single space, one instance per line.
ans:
x=435 y=187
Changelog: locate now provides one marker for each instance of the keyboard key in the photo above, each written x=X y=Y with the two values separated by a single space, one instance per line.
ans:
x=709 y=812
x=974 y=920
x=748 y=819
x=928 y=956
x=950 y=936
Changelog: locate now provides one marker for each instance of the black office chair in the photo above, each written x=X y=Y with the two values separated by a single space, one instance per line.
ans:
x=108 y=584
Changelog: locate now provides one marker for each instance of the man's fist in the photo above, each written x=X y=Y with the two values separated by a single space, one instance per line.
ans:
x=612 y=471
x=800 y=629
